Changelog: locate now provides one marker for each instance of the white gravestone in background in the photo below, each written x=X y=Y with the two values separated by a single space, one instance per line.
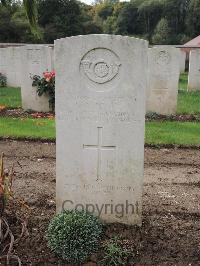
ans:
x=163 y=78
x=3 y=61
x=194 y=71
x=13 y=59
x=100 y=110
x=35 y=59
x=182 y=61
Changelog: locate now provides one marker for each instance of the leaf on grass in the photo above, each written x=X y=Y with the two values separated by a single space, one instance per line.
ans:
x=2 y=107
x=40 y=123
x=50 y=117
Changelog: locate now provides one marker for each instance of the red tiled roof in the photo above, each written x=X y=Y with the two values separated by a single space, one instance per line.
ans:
x=193 y=42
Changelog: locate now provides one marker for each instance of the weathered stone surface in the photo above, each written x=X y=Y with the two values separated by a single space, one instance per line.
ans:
x=100 y=108
x=194 y=71
x=13 y=61
x=10 y=61
x=35 y=59
x=3 y=62
x=163 y=78
x=182 y=61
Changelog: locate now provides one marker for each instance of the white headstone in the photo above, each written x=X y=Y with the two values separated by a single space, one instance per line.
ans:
x=100 y=109
x=194 y=71
x=13 y=60
x=35 y=60
x=163 y=78
x=182 y=61
x=3 y=61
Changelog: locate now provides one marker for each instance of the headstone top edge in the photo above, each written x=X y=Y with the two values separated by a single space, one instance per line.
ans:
x=162 y=48
x=33 y=46
x=105 y=36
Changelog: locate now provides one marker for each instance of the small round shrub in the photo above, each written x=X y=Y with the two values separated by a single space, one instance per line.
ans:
x=74 y=235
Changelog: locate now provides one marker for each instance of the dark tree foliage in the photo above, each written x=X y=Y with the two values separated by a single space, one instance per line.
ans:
x=159 y=21
x=106 y=11
x=59 y=18
x=127 y=21
x=150 y=13
x=193 y=18
x=14 y=26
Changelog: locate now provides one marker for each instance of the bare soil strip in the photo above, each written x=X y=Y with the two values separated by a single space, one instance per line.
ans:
x=20 y=113
x=170 y=234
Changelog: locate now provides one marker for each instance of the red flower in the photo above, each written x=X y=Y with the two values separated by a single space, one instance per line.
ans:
x=53 y=73
x=49 y=75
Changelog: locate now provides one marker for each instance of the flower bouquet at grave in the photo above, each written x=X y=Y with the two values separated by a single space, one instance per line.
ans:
x=46 y=85
x=3 y=80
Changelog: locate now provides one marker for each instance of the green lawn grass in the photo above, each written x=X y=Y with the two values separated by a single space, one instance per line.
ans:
x=188 y=102
x=27 y=128
x=183 y=81
x=167 y=132
x=180 y=133
x=10 y=97
x=157 y=132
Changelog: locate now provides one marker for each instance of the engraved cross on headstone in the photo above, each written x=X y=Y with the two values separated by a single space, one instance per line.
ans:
x=99 y=147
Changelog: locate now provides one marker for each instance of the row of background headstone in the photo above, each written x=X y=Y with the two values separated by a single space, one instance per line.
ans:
x=19 y=63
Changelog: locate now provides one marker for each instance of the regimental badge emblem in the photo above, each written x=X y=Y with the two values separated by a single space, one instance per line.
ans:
x=163 y=58
x=100 y=65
